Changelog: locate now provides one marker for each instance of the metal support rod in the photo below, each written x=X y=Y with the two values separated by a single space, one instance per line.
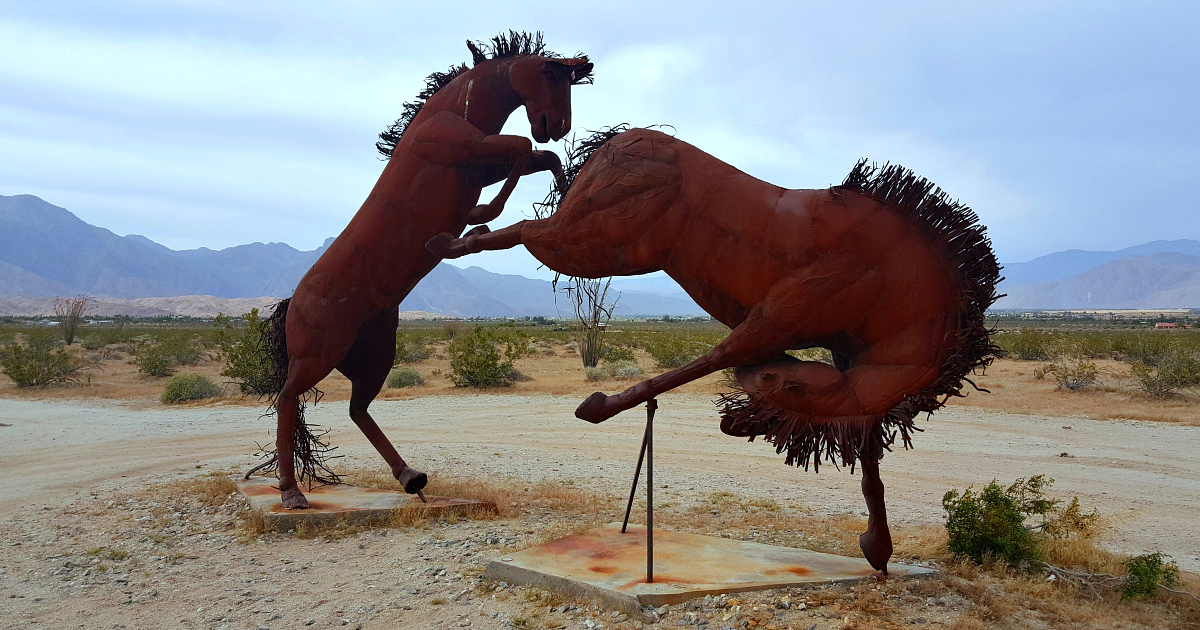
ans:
x=637 y=476
x=651 y=405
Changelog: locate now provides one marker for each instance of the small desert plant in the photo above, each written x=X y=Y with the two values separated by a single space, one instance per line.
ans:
x=411 y=349
x=617 y=369
x=184 y=387
x=245 y=357
x=1147 y=573
x=476 y=359
x=39 y=362
x=672 y=351
x=182 y=350
x=990 y=524
x=1070 y=373
x=1027 y=345
x=617 y=354
x=157 y=362
x=404 y=377
x=1172 y=372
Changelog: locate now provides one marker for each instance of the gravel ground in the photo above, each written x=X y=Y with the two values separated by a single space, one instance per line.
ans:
x=76 y=499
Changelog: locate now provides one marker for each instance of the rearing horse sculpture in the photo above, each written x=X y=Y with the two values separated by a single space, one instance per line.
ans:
x=883 y=270
x=443 y=151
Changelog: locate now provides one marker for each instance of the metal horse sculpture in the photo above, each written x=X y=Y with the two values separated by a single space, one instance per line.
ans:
x=883 y=270
x=443 y=151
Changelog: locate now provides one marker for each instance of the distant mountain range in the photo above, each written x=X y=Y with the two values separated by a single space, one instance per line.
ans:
x=1164 y=279
x=46 y=251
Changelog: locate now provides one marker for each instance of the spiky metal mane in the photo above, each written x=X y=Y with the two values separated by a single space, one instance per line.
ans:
x=579 y=151
x=512 y=44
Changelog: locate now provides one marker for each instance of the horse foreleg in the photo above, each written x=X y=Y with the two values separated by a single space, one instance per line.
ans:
x=876 y=542
x=489 y=211
x=477 y=240
x=286 y=411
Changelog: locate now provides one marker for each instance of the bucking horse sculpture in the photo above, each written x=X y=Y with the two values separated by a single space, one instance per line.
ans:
x=443 y=151
x=883 y=270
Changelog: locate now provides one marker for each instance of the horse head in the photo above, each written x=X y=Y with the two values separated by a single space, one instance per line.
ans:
x=544 y=86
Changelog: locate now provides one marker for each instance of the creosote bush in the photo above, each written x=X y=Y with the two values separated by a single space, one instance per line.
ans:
x=184 y=387
x=246 y=360
x=1176 y=370
x=672 y=351
x=158 y=361
x=411 y=349
x=1147 y=573
x=617 y=354
x=484 y=358
x=39 y=362
x=617 y=369
x=991 y=523
x=1070 y=373
x=404 y=377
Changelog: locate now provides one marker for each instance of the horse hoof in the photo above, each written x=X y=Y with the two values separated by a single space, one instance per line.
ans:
x=412 y=480
x=478 y=230
x=293 y=499
x=592 y=409
x=876 y=551
x=440 y=245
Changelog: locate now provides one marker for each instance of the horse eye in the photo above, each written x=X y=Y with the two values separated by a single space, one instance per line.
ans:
x=550 y=76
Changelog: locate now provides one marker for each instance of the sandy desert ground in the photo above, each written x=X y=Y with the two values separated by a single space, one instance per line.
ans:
x=77 y=474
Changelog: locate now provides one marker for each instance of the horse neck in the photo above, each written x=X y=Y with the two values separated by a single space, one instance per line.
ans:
x=482 y=95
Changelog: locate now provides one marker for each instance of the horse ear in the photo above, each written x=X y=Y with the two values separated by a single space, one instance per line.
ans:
x=578 y=69
x=581 y=71
x=477 y=55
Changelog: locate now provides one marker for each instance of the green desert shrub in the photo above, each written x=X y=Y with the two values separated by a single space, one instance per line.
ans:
x=92 y=342
x=404 y=377
x=183 y=350
x=157 y=361
x=1027 y=345
x=613 y=369
x=1070 y=373
x=184 y=387
x=990 y=524
x=245 y=358
x=1146 y=347
x=39 y=362
x=411 y=349
x=672 y=351
x=1175 y=371
x=617 y=354
x=1147 y=573
x=484 y=357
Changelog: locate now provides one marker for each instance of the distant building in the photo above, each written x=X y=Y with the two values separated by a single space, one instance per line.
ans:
x=1166 y=325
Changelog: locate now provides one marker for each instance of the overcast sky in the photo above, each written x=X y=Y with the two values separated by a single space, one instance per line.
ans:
x=1065 y=125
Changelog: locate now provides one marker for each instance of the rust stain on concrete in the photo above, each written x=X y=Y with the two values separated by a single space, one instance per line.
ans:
x=604 y=564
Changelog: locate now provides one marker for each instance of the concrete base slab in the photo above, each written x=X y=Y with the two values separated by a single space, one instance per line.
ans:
x=344 y=503
x=604 y=564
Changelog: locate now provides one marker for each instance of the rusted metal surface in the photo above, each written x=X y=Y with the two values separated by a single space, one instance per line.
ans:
x=605 y=564
x=885 y=271
x=442 y=152
x=340 y=502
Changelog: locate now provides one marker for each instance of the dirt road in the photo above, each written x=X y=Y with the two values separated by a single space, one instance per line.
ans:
x=1145 y=476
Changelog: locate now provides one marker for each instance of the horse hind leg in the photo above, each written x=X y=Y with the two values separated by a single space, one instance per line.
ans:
x=876 y=542
x=367 y=366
